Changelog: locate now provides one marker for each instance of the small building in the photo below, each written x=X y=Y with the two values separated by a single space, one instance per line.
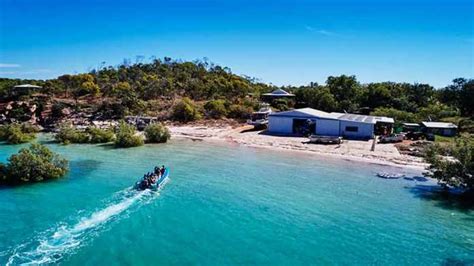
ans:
x=440 y=128
x=24 y=89
x=327 y=124
x=411 y=127
x=277 y=94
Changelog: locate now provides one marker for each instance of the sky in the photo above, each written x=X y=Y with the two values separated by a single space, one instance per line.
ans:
x=279 y=42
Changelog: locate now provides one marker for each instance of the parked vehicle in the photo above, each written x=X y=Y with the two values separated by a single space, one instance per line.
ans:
x=392 y=138
x=260 y=118
x=430 y=136
x=414 y=135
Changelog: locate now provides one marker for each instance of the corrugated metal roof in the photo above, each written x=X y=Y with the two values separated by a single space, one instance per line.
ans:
x=439 y=125
x=310 y=112
x=358 y=118
x=278 y=92
x=384 y=119
x=306 y=112
x=27 y=86
x=411 y=124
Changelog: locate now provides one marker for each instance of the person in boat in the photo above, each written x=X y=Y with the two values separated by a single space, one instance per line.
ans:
x=162 y=170
x=144 y=184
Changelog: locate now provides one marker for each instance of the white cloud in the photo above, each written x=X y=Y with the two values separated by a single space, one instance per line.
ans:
x=3 y=65
x=320 y=31
x=325 y=32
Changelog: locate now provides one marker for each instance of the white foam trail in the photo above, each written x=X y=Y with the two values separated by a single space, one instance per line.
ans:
x=65 y=238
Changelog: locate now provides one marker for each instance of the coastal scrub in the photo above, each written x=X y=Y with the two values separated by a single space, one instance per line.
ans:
x=126 y=136
x=452 y=165
x=185 y=111
x=16 y=133
x=33 y=164
x=68 y=134
x=157 y=133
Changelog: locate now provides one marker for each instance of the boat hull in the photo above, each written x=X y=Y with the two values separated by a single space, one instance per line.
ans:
x=159 y=184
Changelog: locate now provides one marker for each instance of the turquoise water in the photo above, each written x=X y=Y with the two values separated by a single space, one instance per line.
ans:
x=227 y=204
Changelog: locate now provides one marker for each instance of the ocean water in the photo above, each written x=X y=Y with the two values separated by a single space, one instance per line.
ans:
x=224 y=205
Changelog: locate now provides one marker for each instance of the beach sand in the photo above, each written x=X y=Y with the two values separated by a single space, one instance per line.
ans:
x=357 y=150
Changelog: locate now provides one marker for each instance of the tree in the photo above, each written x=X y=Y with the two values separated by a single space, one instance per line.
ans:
x=346 y=90
x=216 y=108
x=435 y=112
x=317 y=97
x=397 y=115
x=33 y=164
x=99 y=135
x=378 y=95
x=157 y=133
x=68 y=134
x=16 y=133
x=452 y=166
x=185 y=111
x=84 y=84
x=126 y=136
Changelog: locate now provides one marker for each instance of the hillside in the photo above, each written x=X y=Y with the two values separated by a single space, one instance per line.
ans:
x=166 y=88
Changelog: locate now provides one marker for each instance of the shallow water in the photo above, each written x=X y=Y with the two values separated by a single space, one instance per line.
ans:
x=227 y=204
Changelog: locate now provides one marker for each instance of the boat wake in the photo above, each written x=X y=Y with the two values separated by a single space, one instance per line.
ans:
x=52 y=245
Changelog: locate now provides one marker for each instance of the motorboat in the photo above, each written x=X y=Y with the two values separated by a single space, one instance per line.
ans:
x=325 y=139
x=389 y=175
x=157 y=185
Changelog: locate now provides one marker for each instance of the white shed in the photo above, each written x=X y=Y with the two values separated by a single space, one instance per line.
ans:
x=288 y=122
x=323 y=123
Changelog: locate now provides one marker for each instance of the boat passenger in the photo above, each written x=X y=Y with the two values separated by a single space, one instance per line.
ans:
x=162 y=170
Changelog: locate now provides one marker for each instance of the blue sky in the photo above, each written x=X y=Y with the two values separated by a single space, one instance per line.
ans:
x=282 y=42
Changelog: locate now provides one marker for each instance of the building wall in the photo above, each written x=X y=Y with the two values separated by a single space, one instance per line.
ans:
x=284 y=125
x=365 y=130
x=281 y=125
x=327 y=127
x=448 y=132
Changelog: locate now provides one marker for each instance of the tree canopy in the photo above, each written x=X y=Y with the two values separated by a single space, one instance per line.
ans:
x=33 y=164
x=186 y=91
x=454 y=165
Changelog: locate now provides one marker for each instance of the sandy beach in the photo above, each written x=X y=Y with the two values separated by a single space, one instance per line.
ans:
x=384 y=154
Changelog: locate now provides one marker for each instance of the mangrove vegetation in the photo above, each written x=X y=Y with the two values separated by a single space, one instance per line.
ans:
x=33 y=164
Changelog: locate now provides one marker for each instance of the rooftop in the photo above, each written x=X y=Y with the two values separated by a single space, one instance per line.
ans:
x=411 y=124
x=310 y=112
x=438 y=125
x=279 y=93
x=27 y=86
x=307 y=112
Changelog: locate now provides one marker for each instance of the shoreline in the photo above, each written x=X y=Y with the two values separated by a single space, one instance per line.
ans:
x=351 y=150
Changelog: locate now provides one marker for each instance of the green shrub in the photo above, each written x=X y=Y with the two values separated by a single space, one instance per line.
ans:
x=282 y=104
x=157 y=133
x=14 y=134
x=215 y=108
x=3 y=132
x=33 y=164
x=398 y=115
x=68 y=134
x=466 y=125
x=240 y=111
x=29 y=128
x=125 y=136
x=185 y=111
x=457 y=170
x=98 y=135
